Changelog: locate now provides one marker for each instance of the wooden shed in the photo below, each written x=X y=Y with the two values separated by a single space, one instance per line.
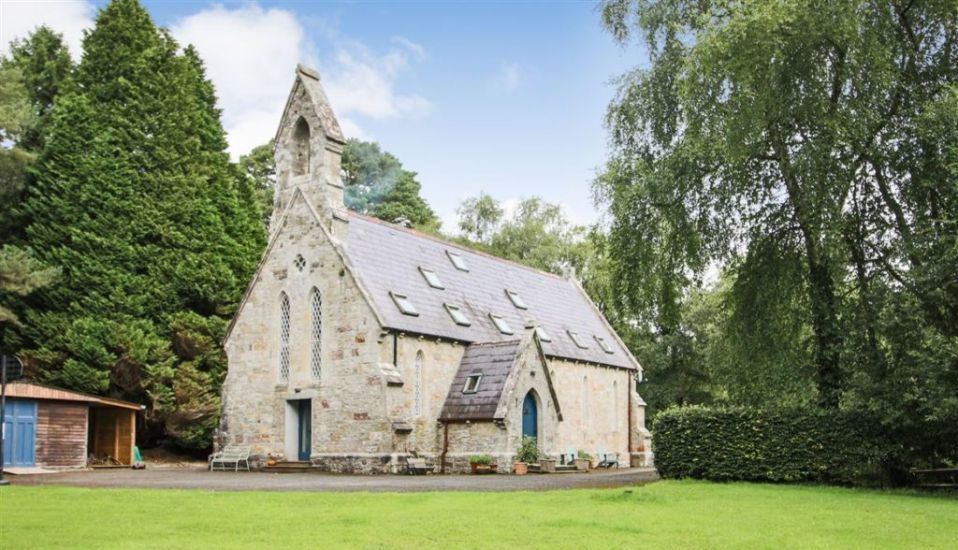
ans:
x=48 y=427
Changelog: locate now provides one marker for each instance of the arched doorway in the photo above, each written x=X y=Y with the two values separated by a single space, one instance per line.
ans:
x=530 y=416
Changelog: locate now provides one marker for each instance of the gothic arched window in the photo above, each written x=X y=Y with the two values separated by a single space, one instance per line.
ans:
x=299 y=147
x=418 y=389
x=284 y=338
x=316 y=334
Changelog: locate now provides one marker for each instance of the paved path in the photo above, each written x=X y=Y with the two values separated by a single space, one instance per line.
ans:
x=189 y=478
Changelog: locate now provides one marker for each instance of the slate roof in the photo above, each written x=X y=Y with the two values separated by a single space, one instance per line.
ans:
x=387 y=259
x=493 y=360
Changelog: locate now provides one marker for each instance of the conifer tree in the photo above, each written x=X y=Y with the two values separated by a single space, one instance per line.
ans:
x=136 y=202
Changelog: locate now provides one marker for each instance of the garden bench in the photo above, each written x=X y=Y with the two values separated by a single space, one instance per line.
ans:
x=230 y=455
x=608 y=460
x=937 y=478
x=416 y=466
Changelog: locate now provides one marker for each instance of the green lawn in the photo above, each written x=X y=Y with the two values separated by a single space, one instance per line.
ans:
x=668 y=514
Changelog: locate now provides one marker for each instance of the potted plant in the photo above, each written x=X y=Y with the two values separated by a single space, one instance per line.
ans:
x=481 y=464
x=583 y=461
x=527 y=453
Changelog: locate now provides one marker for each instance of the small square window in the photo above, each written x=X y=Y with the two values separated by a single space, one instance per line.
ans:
x=543 y=335
x=603 y=344
x=431 y=278
x=516 y=299
x=457 y=315
x=472 y=383
x=501 y=324
x=404 y=305
x=457 y=260
x=577 y=339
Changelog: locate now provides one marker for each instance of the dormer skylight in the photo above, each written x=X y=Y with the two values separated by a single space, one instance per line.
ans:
x=603 y=344
x=458 y=315
x=516 y=299
x=500 y=323
x=404 y=305
x=543 y=335
x=579 y=342
x=457 y=260
x=472 y=383
x=431 y=278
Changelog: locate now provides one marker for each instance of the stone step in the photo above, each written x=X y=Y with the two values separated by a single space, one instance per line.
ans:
x=289 y=467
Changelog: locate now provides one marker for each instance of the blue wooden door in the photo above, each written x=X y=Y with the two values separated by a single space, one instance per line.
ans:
x=305 y=428
x=530 y=417
x=20 y=432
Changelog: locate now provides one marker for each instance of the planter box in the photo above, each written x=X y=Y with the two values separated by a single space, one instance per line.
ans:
x=582 y=464
x=484 y=468
x=548 y=465
x=520 y=468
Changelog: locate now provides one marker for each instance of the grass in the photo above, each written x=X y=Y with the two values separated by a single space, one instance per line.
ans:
x=667 y=514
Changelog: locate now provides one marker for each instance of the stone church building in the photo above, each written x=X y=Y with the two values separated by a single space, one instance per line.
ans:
x=359 y=343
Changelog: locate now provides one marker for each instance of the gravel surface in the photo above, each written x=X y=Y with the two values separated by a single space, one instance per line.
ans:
x=197 y=478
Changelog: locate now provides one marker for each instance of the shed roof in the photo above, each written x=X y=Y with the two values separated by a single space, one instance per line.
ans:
x=30 y=390
x=388 y=259
x=492 y=360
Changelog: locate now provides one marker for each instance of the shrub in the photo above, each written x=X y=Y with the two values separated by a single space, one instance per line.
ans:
x=528 y=451
x=482 y=460
x=582 y=455
x=784 y=445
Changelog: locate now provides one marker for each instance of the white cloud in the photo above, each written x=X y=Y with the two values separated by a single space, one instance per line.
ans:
x=507 y=79
x=250 y=55
x=363 y=83
x=68 y=17
x=251 y=52
x=413 y=47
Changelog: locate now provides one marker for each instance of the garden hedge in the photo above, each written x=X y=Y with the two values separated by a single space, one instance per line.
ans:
x=784 y=445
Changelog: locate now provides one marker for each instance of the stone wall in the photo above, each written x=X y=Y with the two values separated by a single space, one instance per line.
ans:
x=347 y=400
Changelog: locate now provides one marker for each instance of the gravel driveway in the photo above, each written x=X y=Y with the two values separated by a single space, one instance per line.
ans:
x=197 y=478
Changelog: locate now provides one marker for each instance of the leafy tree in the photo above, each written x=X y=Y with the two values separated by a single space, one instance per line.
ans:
x=44 y=60
x=258 y=167
x=403 y=202
x=135 y=200
x=20 y=272
x=479 y=218
x=537 y=233
x=781 y=128
x=375 y=184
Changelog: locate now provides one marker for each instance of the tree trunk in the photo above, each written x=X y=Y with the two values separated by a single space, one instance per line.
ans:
x=821 y=289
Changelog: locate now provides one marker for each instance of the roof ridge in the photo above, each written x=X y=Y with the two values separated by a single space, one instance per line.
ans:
x=417 y=233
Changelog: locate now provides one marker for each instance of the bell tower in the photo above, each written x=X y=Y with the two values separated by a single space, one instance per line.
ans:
x=307 y=149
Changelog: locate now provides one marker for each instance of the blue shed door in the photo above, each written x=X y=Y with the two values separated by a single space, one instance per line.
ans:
x=20 y=432
x=530 y=417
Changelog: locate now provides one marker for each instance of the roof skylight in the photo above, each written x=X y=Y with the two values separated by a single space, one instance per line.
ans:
x=543 y=335
x=472 y=383
x=500 y=323
x=603 y=344
x=458 y=315
x=431 y=278
x=577 y=339
x=404 y=305
x=516 y=299
x=457 y=260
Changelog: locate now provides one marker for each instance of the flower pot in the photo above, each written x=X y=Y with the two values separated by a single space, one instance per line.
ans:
x=475 y=468
x=520 y=468
x=582 y=464
x=548 y=465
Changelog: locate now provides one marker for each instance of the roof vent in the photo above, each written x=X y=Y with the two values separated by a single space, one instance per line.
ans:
x=577 y=340
x=457 y=260
x=516 y=299
x=404 y=305
x=500 y=323
x=457 y=315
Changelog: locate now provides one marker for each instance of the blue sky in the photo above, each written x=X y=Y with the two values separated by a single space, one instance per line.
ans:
x=506 y=98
